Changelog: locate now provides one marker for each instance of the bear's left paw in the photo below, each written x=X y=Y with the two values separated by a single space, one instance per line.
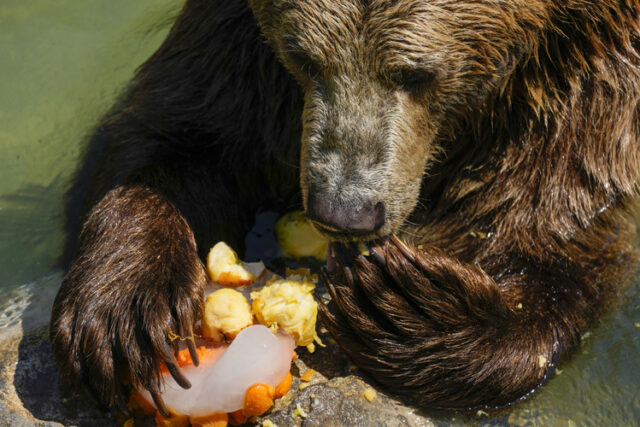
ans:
x=411 y=318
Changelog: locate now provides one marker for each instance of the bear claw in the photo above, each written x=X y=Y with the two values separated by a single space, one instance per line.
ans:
x=162 y=408
x=172 y=365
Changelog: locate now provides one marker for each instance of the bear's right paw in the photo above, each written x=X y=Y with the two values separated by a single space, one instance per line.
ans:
x=122 y=324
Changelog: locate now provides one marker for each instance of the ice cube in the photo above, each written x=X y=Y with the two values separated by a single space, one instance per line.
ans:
x=219 y=384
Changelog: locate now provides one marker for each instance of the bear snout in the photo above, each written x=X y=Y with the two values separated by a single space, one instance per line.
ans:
x=350 y=218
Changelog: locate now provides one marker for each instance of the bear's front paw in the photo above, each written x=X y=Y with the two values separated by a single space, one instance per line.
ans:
x=395 y=290
x=408 y=318
x=120 y=323
x=377 y=296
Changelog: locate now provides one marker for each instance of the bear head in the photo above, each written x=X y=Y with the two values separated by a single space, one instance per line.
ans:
x=386 y=84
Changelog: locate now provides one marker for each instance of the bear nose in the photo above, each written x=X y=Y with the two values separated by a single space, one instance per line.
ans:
x=352 y=218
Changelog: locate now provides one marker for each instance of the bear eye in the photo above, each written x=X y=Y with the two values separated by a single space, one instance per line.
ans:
x=304 y=63
x=412 y=80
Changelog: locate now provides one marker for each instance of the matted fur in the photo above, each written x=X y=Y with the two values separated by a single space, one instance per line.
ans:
x=501 y=136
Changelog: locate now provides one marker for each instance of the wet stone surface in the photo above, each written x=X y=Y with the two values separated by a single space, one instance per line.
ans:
x=29 y=388
x=30 y=392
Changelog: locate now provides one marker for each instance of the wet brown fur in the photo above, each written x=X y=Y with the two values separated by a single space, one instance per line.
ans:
x=502 y=137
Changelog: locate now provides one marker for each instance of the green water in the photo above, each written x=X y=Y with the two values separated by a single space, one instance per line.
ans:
x=62 y=64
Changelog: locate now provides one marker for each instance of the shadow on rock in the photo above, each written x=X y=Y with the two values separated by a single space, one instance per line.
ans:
x=35 y=380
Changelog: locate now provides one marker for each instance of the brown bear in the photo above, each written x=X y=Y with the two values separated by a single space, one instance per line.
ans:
x=488 y=152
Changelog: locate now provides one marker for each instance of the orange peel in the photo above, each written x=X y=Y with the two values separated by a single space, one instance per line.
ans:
x=258 y=399
x=307 y=375
x=175 y=420
x=283 y=387
x=184 y=357
x=217 y=419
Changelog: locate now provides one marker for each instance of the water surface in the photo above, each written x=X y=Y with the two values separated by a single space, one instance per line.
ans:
x=62 y=63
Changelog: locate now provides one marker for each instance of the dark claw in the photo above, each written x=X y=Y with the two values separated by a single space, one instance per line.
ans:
x=403 y=248
x=192 y=350
x=162 y=408
x=348 y=275
x=378 y=257
x=324 y=311
x=172 y=365
x=324 y=275
x=332 y=265
x=345 y=253
x=338 y=300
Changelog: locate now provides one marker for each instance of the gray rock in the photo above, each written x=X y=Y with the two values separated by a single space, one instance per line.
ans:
x=30 y=393
x=341 y=402
x=29 y=388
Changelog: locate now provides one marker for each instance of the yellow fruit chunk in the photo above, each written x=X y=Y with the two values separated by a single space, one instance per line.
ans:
x=224 y=267
x=370 y=394
x=307 y=375
x=298 y=238
x=258 y=399
x=288 y=304
x=218 y=419
x=542 y=361
x=299 y=412
x=226 y=313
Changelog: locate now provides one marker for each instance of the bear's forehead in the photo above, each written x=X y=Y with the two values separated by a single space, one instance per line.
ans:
x=406 y=31
x=465 y=38
x=384 y=32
